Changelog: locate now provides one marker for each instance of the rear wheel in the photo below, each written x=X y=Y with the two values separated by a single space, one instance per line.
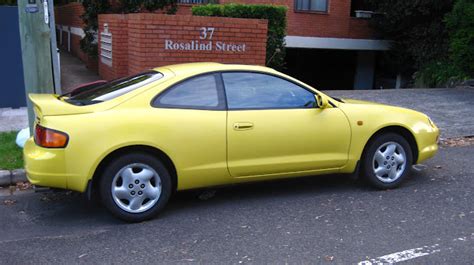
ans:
x=387 y=161
x=135 y=187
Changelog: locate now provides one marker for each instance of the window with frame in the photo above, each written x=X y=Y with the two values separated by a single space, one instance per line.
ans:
x=248 y=90
x=200 y=92
x=311 y=5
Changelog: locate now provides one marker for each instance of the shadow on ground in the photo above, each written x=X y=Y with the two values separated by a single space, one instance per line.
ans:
x=67 y=206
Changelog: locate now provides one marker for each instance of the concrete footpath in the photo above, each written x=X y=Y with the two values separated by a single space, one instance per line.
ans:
x=13 y=119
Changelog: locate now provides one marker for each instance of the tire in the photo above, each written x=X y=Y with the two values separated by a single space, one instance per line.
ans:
x=135 y=187
x=383 y=168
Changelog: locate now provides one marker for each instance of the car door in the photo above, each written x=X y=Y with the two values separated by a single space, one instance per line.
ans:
x=190 y=125
x=274 y=127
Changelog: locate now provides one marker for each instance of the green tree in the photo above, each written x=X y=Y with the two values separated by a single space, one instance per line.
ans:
x=460 y=23
x=416 y=28
x=92 y=8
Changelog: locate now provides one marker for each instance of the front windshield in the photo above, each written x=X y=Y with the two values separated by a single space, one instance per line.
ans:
x=114 y=88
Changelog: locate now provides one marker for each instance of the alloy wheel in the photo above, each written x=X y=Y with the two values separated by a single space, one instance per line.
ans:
x=389 y=162
x=136 y=188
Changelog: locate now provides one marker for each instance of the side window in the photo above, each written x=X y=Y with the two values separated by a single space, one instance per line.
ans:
x=200 y=92
x=246 y=90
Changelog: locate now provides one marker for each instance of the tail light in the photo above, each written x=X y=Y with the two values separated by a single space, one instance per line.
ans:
x=50 y=138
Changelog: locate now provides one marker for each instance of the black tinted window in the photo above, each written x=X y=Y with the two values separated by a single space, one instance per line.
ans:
x=262 y=91
x=199 y=92
x=114 y=88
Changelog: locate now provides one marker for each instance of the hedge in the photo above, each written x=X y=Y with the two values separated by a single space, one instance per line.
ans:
x=7 y=2
x=460 y=23
x=276 y=16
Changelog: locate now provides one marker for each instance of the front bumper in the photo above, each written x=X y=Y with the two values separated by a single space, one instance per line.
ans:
x=45 y=166
x=427 y=152
x=428 y=144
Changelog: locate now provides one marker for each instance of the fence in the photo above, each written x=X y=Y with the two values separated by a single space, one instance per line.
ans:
x=12 y=87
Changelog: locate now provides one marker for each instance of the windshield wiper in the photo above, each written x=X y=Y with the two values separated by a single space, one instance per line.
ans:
x=338 y=99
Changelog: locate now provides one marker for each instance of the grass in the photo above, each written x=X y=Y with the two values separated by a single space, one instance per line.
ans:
x=11 y=156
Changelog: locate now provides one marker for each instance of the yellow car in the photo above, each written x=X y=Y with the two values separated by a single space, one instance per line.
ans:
x=135 y=140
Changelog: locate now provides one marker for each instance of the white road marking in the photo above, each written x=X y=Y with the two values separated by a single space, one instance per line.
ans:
x=403 y=255
x=413 y=253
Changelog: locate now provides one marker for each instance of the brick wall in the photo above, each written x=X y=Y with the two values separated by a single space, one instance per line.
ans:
x=336 y=23
x=69 y=14
x=118 y=26
x=139 y=41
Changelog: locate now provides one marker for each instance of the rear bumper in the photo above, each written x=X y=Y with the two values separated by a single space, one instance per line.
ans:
x=44 y=166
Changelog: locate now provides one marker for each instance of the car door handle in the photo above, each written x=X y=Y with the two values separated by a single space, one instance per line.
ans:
x=240 y=126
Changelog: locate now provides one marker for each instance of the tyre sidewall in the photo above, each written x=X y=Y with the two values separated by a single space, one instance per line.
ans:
x=368 y=172
x=114 y=167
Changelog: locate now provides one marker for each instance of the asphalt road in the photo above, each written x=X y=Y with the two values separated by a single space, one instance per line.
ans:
x=326 y=219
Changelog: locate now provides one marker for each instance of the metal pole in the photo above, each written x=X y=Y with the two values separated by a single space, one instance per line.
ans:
x=54 y=49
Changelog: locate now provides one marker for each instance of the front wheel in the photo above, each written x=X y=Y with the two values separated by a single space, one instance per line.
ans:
x=387 y=161
x=135 y=187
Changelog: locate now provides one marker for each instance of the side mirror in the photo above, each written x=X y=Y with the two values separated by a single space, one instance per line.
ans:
x=321 y=101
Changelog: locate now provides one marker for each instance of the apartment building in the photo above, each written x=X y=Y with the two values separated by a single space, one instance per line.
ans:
x=330 y=44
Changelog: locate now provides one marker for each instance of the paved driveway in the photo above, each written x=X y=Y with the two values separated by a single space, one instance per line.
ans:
x=451 y=109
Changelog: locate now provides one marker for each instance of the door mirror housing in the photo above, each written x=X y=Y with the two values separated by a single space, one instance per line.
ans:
x=321 y=102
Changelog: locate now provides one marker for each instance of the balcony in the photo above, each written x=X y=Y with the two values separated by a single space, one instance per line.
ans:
x=360 y=9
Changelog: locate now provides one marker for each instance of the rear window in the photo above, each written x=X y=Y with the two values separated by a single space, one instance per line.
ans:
x=114 y=88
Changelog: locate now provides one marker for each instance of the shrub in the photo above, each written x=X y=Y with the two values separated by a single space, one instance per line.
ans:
x=418 y=32
x=439 y=74
x=276 y=16
x=460 y=23
x=458 y=63
x=92 y=8
x=7 y=2
x=133 y=6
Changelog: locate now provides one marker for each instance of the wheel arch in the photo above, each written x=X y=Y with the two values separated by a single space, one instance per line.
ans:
x=400 y=130
x=153 y=151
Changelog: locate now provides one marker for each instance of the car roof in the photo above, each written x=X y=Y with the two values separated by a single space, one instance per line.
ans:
x=204 y=67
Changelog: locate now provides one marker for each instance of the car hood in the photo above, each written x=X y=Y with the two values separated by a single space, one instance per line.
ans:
x=377 y=107
x=356 y=101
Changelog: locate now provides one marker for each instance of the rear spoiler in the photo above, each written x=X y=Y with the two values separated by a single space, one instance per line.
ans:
x=51 y=105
